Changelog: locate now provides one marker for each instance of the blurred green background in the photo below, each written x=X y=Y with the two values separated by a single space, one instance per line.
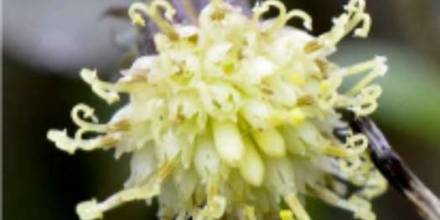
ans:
x=47 y=42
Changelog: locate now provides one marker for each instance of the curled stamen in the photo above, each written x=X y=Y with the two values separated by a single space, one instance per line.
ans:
x=87 y=113
x=355 y=10
x=353 y=5
x=265 y=7
x=102 y=89
x=340 y=152
x=166 y=6
x=373 y=91
x=153 y=11
x=135 y=16
x=379 y=68
x=65 y=143
x=70 y=145
x=307 y=19
x=366 y=102
x=366 y=108
x=346 y=22
x=349 y=165
x=357 y=143
x=365 y=28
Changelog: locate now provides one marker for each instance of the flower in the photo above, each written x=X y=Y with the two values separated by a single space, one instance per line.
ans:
x=234 y=118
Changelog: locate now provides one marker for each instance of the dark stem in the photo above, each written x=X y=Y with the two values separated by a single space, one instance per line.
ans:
x=394 y=169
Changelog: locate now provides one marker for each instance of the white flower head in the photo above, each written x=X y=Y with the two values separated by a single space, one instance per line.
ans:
x=234 y=118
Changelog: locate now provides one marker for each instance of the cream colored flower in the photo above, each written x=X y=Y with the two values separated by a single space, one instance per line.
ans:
x=234 y=118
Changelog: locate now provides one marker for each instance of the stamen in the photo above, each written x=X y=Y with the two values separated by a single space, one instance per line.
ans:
x=357 y=144
x=359 y=68
x=265 y=7
x=87 y=113
x=63 y=142
x=356 y=14
x=365 y=28
x=346 y=22
x=350 y=155
x=307 y=19
x=379 y=68
x=154 y=13
x=102 y=89
x=89 y=209
x=365 y=108
x=349 y=165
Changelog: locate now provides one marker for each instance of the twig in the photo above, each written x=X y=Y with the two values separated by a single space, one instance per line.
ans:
x=394 y=169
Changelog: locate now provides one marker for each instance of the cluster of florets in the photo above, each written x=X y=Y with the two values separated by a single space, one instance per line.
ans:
x=233 y=118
